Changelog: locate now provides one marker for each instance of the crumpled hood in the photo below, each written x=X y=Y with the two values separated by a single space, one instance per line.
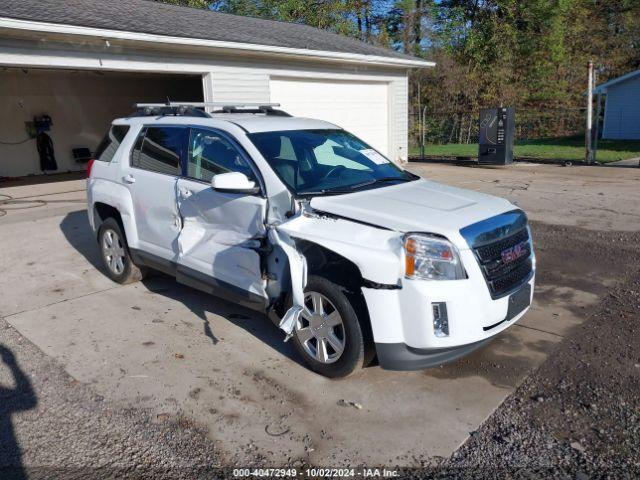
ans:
x=418 y=206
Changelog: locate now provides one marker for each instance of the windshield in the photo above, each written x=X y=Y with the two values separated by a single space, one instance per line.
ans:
x=318 y=162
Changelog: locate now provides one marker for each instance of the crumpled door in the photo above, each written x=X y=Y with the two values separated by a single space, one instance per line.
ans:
x=220 y=235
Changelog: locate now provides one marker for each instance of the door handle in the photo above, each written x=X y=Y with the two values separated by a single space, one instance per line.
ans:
x=129 y=179
x=186 y=193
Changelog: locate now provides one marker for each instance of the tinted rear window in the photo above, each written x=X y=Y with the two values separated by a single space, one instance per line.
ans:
x=160 y=150
x=110 y=143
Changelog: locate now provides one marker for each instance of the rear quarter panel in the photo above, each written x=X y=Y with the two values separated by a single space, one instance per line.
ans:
x=104 y=186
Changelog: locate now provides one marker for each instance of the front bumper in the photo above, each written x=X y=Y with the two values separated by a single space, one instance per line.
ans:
x=402 y=319
x=399 y=356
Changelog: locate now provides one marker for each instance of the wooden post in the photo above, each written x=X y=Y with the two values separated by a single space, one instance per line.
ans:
x=587 y=133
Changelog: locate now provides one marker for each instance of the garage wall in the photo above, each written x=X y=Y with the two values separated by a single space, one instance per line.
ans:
x=622 y=111
x=233 y=85
x=399 y=118
x=226 y=77
x=253 y=84
x=82 y=105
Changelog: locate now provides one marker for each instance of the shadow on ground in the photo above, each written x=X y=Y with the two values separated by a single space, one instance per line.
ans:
x=12 y=400
x=76 y=229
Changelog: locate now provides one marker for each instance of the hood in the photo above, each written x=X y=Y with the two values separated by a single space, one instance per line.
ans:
x=418 y=206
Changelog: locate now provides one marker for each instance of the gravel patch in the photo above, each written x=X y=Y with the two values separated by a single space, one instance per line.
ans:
x=52 y=426
x=578 y=415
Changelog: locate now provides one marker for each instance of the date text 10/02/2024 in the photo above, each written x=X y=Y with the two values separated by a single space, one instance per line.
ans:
x=316 y=472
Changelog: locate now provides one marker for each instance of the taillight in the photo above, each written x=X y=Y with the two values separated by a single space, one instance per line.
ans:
x=89 y=165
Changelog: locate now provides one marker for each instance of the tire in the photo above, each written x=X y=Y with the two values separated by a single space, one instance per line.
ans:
x=115 y=255
x=334 y=325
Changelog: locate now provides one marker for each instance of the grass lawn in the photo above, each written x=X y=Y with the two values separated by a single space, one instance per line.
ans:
x=569 y=148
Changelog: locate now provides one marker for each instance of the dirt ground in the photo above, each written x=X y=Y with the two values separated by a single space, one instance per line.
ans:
x=579 y=412
x=595 y=198
x=169 y=352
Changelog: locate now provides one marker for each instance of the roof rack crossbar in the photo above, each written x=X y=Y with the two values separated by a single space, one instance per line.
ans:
x=208 y=104
x=163 y=110
x=195 y=108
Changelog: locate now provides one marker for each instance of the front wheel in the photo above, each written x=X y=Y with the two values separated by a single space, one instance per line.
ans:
x=328 y=334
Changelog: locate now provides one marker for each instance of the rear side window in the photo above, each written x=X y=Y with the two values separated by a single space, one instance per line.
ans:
x=110 y=143
x=159 y=149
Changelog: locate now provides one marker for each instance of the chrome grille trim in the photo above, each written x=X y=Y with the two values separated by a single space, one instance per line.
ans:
x=489 y=238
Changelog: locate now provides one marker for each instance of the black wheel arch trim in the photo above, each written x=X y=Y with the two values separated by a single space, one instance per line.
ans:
x=381 y=286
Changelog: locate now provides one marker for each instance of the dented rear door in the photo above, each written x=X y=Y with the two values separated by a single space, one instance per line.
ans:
x=221 y=235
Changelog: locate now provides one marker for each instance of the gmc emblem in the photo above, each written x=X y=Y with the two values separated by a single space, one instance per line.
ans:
x=513 y=253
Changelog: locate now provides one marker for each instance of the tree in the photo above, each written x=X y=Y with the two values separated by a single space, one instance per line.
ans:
x=408 y=23
x=531 y=55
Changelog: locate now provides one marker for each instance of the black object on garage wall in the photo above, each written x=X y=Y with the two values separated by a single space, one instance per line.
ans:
x=44 y=143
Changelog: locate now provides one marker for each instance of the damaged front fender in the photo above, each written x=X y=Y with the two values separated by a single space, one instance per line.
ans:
x=298 y=277
x=376 y=252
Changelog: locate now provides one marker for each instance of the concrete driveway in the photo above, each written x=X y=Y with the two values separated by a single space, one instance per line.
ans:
x=161 y=346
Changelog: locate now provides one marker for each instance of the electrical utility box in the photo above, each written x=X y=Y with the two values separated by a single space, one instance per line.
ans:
x=497 y=127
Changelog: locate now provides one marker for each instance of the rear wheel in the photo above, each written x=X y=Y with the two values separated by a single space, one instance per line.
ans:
x=327 y=334
x=115 y=253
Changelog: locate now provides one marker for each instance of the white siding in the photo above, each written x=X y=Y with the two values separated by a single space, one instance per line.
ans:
x=240 y=84
x=399 y=117
x=622 y=111
x=226 y=77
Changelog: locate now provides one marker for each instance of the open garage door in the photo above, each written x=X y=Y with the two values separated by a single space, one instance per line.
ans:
x=81 y=105
x=359 y=107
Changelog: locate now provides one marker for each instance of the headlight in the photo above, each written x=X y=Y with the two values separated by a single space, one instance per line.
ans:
x=431 y=258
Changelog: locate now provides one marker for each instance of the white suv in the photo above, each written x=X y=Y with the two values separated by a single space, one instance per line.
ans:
x=350 y=255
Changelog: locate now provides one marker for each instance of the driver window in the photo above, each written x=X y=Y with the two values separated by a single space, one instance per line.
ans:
x=210 y=154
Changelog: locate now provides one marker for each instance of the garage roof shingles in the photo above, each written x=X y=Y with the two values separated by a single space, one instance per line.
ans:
x=146 y=16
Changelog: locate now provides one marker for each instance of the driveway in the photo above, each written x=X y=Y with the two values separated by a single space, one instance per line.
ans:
x=173 y=351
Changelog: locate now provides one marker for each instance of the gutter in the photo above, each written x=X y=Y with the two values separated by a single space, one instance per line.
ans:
x=45 y=27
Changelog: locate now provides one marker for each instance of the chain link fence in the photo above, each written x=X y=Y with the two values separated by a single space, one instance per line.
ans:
x=443 y=128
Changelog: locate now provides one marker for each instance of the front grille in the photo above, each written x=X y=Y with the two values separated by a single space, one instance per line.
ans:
x=503 y=277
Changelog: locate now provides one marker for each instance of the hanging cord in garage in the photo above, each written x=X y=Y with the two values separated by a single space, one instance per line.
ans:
x=16 y=143
x=45 y=150
x=8 y=203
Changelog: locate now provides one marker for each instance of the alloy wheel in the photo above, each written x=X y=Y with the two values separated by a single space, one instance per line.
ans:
x=320 y=329
x=113 y=251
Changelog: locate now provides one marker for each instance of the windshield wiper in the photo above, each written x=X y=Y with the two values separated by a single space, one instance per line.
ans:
x=379 y=180
x=336 y=191
x=352 y=188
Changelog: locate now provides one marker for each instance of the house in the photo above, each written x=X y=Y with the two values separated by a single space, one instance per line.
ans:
x=85 y=62
x=622 y=107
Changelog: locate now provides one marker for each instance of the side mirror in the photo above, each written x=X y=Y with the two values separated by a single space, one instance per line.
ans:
x=233 y=182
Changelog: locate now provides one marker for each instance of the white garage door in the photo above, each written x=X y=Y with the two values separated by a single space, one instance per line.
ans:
x=360 y=108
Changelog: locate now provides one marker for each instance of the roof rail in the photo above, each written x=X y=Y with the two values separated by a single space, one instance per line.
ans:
x=193 y=108
x=168 y=108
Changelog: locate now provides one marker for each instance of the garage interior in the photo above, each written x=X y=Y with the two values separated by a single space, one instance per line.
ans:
x=81 y=104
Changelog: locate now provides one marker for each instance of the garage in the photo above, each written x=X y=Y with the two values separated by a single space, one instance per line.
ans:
x=359 y=107
x=81 y=105
x=66 y=75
